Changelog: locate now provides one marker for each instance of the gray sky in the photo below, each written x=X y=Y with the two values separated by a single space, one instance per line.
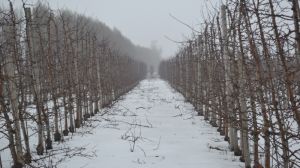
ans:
x=144 y=21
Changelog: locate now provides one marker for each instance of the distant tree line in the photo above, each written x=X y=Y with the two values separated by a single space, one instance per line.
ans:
x=57 y=69
x=241 y=71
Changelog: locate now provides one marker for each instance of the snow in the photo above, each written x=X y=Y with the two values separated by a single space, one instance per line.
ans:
x=150 y=127
x=166 y=129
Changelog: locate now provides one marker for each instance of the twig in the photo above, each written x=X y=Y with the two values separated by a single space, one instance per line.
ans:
x=125 y=122
x=142 y=150
x=189 y=118
x=4 y=148
x=157 y=147
x=140 y=108
x=178 y=115
x=175 y=18
x=174 y=41
x=216 y=148
x=148 y=122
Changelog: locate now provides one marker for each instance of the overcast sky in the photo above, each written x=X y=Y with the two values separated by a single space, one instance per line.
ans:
x=144 y=21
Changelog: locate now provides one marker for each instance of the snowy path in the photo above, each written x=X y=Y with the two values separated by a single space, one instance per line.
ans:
x=167 y=133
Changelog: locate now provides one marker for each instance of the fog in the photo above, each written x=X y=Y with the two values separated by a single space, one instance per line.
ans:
x=145 y=21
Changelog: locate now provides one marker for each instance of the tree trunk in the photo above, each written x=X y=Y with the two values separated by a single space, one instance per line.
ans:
x=244 y=117
x=287 y=73
x=254 y=53
x=17 y=163
x=266 y=54
x=10 y=70
x=233 y=141
x=296 y=17
x=66 y=109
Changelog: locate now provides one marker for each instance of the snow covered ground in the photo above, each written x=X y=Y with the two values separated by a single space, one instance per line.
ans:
x=152 y=126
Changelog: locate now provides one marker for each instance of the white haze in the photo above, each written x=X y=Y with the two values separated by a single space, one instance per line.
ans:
x=144 y=22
